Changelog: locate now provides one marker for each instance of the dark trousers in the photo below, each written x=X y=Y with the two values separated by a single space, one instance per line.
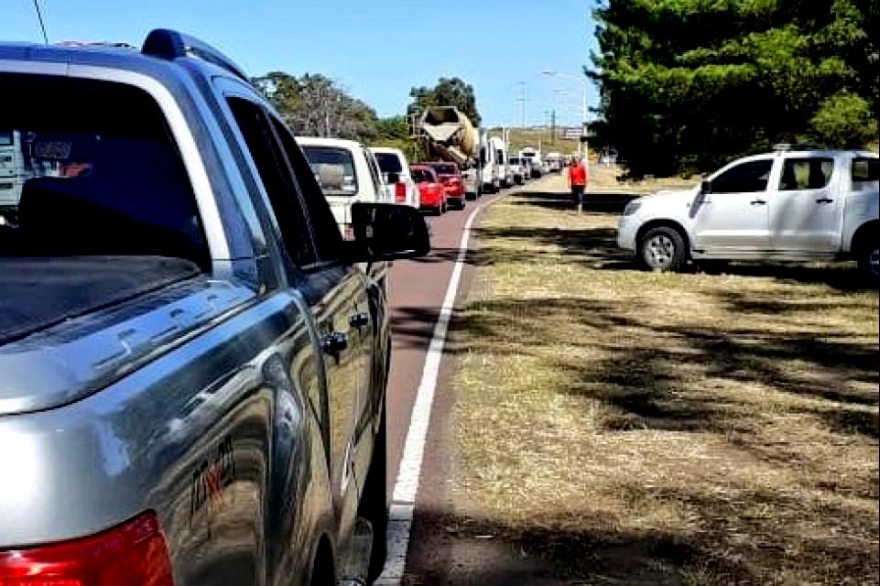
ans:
x=577 y=194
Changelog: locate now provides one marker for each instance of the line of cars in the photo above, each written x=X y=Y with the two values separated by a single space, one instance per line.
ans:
x=349 y=172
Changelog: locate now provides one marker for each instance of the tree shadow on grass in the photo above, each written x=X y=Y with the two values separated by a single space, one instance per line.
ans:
x=595 y=202
x=592 y=247
x=652 y=385
x=719 y=546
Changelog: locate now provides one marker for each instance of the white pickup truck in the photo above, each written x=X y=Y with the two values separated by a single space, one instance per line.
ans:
x=786 y=206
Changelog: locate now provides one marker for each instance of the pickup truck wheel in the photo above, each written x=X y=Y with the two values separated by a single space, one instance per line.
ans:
x=662 y=249
x=374 y=503
x=869 y=261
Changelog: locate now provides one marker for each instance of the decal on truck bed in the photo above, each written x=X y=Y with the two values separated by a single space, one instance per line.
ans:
x=210 y=478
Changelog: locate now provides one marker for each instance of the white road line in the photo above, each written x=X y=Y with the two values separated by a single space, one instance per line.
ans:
x=406 y=488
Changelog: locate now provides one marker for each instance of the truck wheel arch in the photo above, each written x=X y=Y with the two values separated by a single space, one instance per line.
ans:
x=323 y=570
x=667 y=223
x=862 y=235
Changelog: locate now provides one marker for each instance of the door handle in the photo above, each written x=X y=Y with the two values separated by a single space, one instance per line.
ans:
x=824 y=200
x=759 y=202
x=334 y=343
x=360 y=319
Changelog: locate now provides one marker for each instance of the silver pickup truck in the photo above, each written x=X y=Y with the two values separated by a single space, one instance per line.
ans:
x=192 y=368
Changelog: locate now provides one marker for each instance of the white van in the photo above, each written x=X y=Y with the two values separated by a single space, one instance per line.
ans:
x=499 y=148
x=395 y=172
x=347 y=172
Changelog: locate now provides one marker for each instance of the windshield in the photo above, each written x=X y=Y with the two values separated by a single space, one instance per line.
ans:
x=333 y=168
x=99 y=175
x=515 y=161
x=389 y=163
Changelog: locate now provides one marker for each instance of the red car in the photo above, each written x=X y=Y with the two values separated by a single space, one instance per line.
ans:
x=453 y=182
x=432 y=195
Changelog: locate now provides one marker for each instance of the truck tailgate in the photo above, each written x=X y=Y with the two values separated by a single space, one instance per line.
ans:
x=40 y=292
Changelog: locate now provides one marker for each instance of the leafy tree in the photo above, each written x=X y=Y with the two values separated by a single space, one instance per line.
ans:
x=689 y=84
x=450 y=91
x=313 y=105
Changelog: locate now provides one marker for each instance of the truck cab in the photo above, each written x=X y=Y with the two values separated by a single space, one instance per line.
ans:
x=192 y=367
x=348 y=173
x=787 y=205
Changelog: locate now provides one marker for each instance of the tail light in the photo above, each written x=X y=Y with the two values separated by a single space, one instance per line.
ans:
x=134 y=554
x=400 y=192
x=347 y=234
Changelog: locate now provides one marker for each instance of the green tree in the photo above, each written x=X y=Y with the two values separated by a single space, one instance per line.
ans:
x=450 y=91
x=689 y=84
x=314 y=105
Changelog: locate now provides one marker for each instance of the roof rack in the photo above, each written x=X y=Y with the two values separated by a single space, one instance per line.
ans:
x=800 y=146
x=169 y=44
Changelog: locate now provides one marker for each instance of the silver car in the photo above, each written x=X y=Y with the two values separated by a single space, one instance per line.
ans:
x=192 y=368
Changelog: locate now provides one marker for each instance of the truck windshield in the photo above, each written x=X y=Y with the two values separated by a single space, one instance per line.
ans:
x=333 y=168
x=389 y=163
x=94 y=174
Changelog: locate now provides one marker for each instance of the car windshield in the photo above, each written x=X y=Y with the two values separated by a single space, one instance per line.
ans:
x=99 y=176
x=389 y=163
x=333 y=168
x=515 y=161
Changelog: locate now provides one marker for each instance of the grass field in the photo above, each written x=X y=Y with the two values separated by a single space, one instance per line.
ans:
x=635 y=428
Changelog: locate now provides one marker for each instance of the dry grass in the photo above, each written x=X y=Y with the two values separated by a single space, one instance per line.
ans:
x=645 y=428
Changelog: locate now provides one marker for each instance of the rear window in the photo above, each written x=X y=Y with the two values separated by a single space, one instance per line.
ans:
x=422 y=176
x=389 y=163
x=333 y=168
x=93 y=173
x=445 y=169
x=806 y=174
x=865 y=170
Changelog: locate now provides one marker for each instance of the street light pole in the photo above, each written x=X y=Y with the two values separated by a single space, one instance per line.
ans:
x=584 y=104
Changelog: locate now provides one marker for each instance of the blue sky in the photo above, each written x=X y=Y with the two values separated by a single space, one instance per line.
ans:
x=376 y=49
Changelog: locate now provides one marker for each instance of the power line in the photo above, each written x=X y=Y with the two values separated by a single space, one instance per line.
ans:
x=42 y=24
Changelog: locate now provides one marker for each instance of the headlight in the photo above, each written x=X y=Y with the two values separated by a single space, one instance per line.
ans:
x=632 y=207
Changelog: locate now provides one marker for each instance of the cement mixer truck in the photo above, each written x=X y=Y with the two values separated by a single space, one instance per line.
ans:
x=448 y=135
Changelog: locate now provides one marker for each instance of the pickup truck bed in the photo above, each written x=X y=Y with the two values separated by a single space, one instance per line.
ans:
x=40 y=292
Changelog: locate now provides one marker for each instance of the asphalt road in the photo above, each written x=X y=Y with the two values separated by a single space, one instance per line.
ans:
x=417 y=289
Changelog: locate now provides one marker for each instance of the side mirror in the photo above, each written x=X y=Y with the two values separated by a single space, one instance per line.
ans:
x=393 y=178
x=705 y=187
x=384 y=232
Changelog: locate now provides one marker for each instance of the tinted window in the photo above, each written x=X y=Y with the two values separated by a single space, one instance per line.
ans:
x=333 y=168
x=389 y=162
x=751 y=177
x=99 y=175
x=864 y=169
x=445 y=169
x=801 y=174
x=325 y=231
x=275 y=176
x=499 y=156
x=422 y=176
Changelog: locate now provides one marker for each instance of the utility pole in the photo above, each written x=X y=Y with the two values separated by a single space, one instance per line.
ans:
x=522 y=100
x=553 y=127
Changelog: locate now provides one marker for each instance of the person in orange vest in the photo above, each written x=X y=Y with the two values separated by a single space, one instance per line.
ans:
x=578 y=177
